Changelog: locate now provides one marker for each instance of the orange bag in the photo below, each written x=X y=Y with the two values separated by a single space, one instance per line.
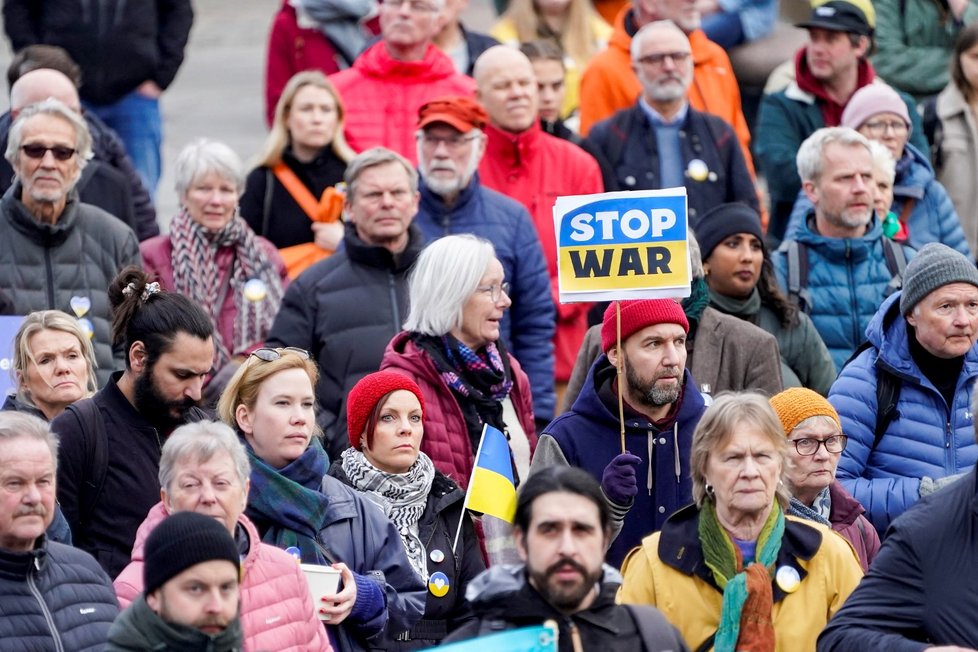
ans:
x=328 y=208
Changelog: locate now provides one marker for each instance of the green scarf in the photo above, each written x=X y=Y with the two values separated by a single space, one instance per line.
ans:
x=746 y=309
x=740 y=586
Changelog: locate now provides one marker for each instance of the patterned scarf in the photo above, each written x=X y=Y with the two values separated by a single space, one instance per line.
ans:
x=197 y=276
x=402 y=496
x=481 y=380
x=745 y=617
x=818 y=512
x=291 y=501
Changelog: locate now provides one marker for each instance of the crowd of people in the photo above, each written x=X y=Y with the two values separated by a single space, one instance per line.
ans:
x=291 y=384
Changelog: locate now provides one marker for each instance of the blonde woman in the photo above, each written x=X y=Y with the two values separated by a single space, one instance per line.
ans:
x=290 y=198
x=572 y=25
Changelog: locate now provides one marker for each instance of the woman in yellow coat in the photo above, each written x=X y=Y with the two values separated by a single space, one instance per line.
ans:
x=732 y=572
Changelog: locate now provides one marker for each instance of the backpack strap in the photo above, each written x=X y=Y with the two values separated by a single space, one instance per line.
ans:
x=658 y=634
x=887 y=395
x=328 y=208
x=96 y=468
x=896 y=262
x=934 y=131
x=797 y=255
x=266 y=213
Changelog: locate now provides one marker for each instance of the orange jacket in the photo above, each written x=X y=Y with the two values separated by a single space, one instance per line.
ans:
x=609 y=84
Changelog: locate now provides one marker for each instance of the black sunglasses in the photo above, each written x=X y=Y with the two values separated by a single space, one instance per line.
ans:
x=268 y=354
x=36 y=150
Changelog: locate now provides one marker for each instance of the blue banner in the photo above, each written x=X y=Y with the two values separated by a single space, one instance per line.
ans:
x=8 y=329
x=542 y=638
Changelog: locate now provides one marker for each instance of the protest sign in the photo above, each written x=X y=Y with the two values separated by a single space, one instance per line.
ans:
x=8 y=329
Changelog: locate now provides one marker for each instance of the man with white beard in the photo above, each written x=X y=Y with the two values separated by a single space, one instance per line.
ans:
x=451 y=143
x=661 y=141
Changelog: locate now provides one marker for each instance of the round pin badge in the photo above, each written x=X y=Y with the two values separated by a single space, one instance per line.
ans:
x=438 y=584
x=294 y=552
x=697 y=170
x=87 y=327
x=437 y=556
x=787 y=579
x=255 y=290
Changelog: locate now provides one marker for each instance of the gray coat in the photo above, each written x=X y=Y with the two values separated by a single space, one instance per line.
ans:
x=729 y=355
x=958 y=169
x=65 y=265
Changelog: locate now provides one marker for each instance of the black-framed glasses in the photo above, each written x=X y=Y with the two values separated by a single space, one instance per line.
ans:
x=809 y=445
x=37 y=151
x=266 y=354
x=496 y=290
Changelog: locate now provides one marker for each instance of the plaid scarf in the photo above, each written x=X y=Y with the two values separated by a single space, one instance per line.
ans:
x=289 y=499
x=196 y=275
x=402 y=496
x=745 y=615
x=818 y=512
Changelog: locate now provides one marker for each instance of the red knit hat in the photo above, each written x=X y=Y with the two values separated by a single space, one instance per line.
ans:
x=363 y=398
x=636 y=315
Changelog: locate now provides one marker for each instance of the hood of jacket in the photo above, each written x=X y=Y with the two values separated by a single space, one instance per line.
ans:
x=913 y=173
x=499 y=584
x=138 y=628
x=622 y=30
x=377 y=62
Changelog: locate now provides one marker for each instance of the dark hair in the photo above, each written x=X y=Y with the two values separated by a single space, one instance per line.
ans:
x=773 y=298
x=35 y=57
x=569 y=479
x=374 y=418
x=542 y=51
x=967 y=38
x=155 y=320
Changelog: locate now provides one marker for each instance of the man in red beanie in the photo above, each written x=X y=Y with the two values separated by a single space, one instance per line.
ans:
x=662 y=407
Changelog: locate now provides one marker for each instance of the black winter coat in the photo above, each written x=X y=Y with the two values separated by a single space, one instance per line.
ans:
x=118 y=45
x=54 y=598
x=270 y=210
x=131 y=487
x=626 y=143
x=437 y=528
x=344 y=310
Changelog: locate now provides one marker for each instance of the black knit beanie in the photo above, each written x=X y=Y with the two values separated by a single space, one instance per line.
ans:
x=723 y=221
x=183 y=540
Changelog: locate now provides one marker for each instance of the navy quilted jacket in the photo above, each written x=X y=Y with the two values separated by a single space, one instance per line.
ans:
x=54 y=598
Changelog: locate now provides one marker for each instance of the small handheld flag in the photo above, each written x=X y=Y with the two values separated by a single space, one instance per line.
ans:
x=492 y=489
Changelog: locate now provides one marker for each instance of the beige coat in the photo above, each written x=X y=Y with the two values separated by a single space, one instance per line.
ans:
x=959 y=159
x=728 y=354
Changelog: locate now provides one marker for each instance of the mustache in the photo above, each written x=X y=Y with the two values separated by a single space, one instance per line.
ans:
x=563 y=564
x=31 y=510
x=669 y=372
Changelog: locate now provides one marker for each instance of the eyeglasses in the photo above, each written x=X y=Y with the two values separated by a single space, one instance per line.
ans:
x=451 y=142
x=416 y=6
x=656 y=60
x=268 y=354
x=496 y=290
x=37 y=151
x=879 y=127
x=809 y=445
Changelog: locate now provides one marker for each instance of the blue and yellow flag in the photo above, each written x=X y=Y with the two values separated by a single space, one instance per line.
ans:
x=492 y=489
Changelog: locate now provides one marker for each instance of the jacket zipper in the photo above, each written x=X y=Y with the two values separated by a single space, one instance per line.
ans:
x=50 y=272
x=392 y=285
x=44 y=608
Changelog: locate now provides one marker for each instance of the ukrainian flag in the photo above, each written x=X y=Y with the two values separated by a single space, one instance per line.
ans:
x=492 y=489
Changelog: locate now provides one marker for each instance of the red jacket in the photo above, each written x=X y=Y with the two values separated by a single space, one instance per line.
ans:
x=535 y=168
x=157 y=256
x=292 y=49
x=382 y=96
x=609 y=84
x=276 y=608
x=446 y=439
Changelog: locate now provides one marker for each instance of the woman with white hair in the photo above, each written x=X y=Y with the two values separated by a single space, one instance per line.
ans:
x=204 y=468
x=451 y=348
x=213 y=257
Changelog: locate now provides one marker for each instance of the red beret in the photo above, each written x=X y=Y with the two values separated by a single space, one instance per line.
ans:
x=363 y=398
x=637 y=314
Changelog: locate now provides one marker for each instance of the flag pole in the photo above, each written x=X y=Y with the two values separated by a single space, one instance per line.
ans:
x=621 y=369
x=468 y=487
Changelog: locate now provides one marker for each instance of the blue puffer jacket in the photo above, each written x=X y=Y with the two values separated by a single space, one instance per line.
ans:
x=528 y=326
x=54 y=597
x=847 y=281
x=588 y=437
x=933 y=218
x=927 y=438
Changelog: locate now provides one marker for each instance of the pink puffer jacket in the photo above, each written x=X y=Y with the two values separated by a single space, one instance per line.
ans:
x=276 y=608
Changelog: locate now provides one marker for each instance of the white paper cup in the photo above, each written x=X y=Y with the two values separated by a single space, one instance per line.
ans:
x=322 y=580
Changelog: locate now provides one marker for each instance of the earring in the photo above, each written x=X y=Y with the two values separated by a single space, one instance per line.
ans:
x=363 y=442
x=709 y=489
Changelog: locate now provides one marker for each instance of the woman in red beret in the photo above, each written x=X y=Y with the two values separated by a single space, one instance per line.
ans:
x=385 y=463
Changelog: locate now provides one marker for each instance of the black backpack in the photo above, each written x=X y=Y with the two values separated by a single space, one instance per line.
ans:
x=888 y=388
x=96 y=463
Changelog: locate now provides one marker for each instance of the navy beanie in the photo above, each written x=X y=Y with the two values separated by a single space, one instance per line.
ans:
x=723 y=221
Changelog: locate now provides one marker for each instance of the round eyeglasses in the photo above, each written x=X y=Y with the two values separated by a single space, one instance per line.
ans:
x=809 y=445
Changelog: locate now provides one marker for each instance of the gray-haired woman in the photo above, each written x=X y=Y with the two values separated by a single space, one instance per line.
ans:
x=213 y=257
x=204 y=468
x=451 y=348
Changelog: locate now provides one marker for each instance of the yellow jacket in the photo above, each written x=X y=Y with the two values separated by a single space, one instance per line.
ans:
x=504 y=31
x=668 y=571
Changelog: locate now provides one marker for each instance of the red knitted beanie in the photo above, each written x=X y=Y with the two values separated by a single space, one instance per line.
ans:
x=636 y=315
x=363 y=398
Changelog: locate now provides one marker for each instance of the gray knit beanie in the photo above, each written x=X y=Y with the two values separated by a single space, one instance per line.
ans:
x=934 y=266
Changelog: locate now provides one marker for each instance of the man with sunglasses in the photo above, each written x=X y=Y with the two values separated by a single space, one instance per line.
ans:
x=663 y=142
x=451 y=143
x=55 y=251
x=904 y=401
